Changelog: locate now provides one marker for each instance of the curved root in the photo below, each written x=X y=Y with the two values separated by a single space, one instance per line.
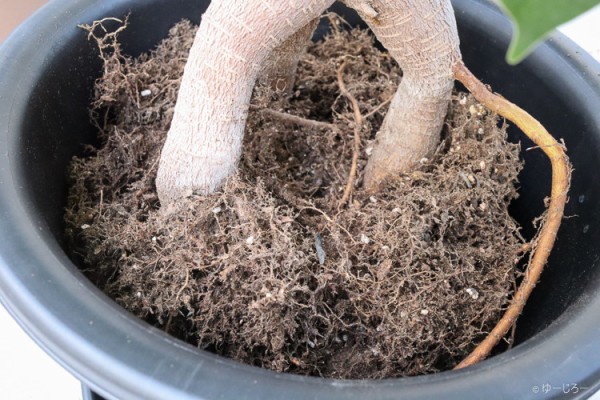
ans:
x=561 y=177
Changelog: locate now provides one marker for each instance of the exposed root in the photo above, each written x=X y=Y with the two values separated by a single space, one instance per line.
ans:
x=379 y=107
x=107 y=39
x=358 y=123
x=561 y=177
x=295 y=120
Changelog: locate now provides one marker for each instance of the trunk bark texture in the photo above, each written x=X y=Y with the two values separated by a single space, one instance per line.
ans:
x=422 y=37
x=232 y=49
x=279 y=71
x=232 y=44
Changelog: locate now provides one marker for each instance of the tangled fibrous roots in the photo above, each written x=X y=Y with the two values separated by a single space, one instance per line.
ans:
x=268 y=270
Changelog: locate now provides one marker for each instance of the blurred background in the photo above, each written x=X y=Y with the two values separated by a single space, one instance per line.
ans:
x=13 y=12
x=26 y=372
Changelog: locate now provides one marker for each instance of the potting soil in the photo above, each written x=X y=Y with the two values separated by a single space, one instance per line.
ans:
x=271 y=270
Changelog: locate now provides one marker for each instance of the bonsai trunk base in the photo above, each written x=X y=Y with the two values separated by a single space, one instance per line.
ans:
x=380 y=288
x=44 y=120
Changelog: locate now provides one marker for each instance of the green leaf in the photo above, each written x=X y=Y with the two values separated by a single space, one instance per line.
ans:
x=534 y=19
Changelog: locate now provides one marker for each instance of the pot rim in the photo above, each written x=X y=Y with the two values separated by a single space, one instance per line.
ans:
x=39 y=284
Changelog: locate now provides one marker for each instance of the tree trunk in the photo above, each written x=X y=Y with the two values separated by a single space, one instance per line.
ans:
x=279 y=71
x=231 y=49
x=232 y=44
x=422 y=37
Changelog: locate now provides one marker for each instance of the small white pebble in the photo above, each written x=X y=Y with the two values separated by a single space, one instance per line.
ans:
x=85 y=226
x=250 y=240
x=146 y=92
x=471 y=178
x=462 y=101
x=473 y=293
x=483 y=206
x=138 y=294
x=364 y=239
x=369 y=150
x=154 y=239
x=385 y=248
x=482 y=165
x=396 y=210
x=424 y=312
x=424 y=160
x=311 y=344
x=345 y=338
x=477 y=109
x=268 y=295
x=216 y=210
x=373 y=199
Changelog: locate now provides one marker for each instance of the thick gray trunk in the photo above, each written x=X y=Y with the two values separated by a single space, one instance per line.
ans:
x=232 y=44
x=279 y=71
x=231 y=48
x=422 y=37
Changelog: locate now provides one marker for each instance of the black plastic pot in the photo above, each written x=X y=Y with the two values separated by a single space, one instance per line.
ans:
x=47 y=69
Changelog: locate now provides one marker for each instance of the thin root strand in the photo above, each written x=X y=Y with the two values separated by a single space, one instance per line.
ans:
x=358 y=122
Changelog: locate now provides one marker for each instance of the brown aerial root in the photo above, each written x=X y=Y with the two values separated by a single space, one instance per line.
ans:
x=358 y=122
x=561 y=176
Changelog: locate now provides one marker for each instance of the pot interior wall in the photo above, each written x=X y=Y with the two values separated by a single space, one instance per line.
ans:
x=57 y=125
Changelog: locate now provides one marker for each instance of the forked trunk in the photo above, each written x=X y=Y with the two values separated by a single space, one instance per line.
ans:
x=232 y=46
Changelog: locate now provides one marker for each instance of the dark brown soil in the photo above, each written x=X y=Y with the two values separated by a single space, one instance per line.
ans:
x=269 y=271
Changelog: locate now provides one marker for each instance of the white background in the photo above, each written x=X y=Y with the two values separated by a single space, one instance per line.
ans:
x=26 y=372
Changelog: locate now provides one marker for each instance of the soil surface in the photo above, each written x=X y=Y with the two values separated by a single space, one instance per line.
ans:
x=271 y=270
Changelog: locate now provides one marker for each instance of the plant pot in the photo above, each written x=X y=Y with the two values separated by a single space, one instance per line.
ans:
x=47 y=70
